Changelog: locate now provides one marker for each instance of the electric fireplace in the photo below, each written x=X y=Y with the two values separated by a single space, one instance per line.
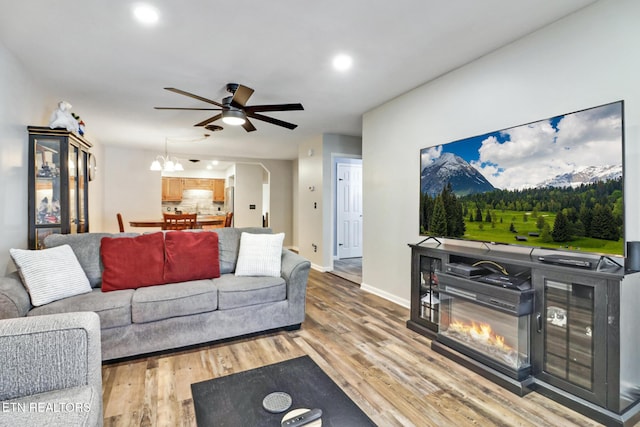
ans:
x=499 y=340
x=488 y=323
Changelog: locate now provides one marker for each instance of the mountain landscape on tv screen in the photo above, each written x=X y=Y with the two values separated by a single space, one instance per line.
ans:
x=465 y=179
x=556 y=183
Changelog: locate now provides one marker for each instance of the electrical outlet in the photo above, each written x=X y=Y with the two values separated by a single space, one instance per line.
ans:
x=315 y=247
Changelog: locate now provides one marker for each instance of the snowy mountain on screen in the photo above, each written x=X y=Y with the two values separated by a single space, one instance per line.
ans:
x=464 y=178
x=587 y=175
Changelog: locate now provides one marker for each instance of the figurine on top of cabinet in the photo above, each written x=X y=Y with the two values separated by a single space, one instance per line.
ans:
x=62 y=118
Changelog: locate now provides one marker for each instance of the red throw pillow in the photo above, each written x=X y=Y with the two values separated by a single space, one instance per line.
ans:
x=191 y=256
x=132 y=262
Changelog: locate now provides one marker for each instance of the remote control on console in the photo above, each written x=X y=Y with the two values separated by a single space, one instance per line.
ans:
x=303 y=419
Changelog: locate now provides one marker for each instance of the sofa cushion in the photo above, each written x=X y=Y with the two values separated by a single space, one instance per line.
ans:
x=190 y=256
x=241 y=291
x=229 y=239
x=133 y=262
x=173 y=300
x=86 y=246
x=259 y=255
x=113 y=308
x=50 y=274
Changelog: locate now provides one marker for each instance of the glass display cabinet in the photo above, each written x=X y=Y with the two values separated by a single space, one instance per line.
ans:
x=59 y=163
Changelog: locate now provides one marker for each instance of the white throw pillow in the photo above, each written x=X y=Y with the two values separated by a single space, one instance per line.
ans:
x=259 y=254
x=50 y=274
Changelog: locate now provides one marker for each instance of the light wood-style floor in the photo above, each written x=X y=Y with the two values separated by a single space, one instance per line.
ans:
x=348 y=268
x=362 y=343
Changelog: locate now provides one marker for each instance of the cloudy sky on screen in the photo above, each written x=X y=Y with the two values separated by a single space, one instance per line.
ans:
x=526 y=155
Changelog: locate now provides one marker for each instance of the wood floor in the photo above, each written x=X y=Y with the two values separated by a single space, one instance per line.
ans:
x=361 y=342
x=348 y=268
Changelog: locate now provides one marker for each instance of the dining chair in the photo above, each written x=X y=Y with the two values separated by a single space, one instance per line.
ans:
x=120 y=223
x=178 y=222
x=227 y=219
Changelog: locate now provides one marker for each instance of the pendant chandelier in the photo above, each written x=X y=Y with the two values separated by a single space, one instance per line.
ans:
x=166 y=163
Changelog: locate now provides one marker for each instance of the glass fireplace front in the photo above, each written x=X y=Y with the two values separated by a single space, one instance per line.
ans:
x=491 y=336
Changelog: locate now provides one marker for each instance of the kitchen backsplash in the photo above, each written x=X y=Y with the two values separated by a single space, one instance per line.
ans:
x=199 y=201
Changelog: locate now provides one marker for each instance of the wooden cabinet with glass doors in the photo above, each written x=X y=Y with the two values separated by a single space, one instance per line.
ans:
x=59 y=166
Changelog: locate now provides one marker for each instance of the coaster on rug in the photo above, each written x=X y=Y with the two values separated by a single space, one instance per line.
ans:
x=276 y=402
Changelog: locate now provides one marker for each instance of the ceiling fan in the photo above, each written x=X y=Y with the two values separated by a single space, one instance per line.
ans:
x=234 y=111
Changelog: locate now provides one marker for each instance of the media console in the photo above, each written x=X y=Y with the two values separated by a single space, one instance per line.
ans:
x=534 y=320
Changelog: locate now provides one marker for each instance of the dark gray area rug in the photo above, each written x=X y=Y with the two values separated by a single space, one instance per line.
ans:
x=236 y=399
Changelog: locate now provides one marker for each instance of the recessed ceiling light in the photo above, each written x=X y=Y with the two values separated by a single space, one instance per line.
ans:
x=145 y=14
x=215 y=162
x=342 y=62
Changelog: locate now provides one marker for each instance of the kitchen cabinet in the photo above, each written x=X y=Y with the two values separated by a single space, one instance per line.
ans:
x=218 y=190
x=58 y=193
x=171 y=189
x=197 y=184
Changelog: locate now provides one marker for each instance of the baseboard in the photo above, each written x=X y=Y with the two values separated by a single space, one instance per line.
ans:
x=386 y=295
x=320 y=268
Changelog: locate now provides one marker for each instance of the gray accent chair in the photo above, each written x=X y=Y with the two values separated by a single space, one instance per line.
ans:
x=50 y=371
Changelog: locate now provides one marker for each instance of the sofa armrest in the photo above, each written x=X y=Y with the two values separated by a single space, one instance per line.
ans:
x=50 y=352
x=295 y=271
x=14 y=298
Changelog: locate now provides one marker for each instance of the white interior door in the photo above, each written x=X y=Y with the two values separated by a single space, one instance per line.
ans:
x=349 y=210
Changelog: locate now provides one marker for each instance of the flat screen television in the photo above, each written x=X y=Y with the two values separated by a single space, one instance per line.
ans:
x=555 y=183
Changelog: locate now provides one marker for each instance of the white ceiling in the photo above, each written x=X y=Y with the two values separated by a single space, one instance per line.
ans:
x=113 y=70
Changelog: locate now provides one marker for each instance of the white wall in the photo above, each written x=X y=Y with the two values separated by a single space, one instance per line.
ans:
x=310 y=219
x=23 y=103
x=315 y=207
x=587 y=59
x=129 y=187
x=248 y=192
x=281 y=197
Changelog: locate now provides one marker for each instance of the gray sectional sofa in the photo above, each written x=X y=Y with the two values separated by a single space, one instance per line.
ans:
x=168 y=316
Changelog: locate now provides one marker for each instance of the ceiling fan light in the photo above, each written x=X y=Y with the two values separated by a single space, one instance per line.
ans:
x=233 y=117
x=178 y=166
x=155 y=166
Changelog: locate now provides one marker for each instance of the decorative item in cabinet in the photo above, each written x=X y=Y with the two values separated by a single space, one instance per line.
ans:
x=172 y=189
x=58 y=183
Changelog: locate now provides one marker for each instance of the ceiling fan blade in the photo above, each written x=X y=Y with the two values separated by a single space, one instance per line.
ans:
x=185 y=108
x=274 y=107
x=191 y=95
x=209 y=120
x=248 y=126
x=241 y=96
x=271 y=120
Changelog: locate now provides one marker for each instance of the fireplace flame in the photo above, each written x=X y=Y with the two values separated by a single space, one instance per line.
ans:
x=481 y=333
